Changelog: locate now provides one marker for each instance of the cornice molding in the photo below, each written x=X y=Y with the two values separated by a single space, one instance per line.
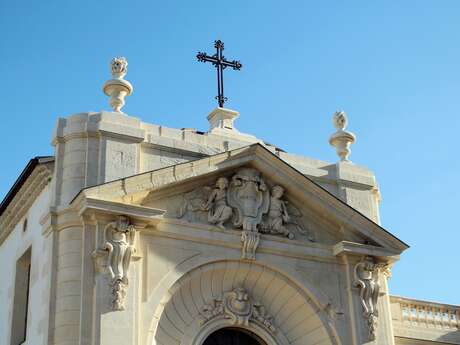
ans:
x=23 y=200
x=359 y=250
x=93 y=208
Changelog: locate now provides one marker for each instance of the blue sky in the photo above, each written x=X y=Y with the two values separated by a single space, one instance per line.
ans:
x=393 y=66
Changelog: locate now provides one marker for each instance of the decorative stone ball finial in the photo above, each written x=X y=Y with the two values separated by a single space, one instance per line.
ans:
x=118 y=88
x=341 y=139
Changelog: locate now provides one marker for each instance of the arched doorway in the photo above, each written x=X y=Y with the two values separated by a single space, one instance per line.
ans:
x=233 y=336
x=192 y=308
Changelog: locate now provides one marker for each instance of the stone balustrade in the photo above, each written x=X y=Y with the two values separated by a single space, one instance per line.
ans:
x=424 y=321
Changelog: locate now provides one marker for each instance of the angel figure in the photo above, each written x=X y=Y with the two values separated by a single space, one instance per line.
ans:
x=277 y=214
x=216 y=205
x=283 y=217
x=192 y=207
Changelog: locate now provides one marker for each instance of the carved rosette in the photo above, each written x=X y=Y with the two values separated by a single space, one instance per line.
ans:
x=366 y=274
x=239 y=308
x=114 y=258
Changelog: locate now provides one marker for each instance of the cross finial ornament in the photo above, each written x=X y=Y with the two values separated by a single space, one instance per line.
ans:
x=218 y=60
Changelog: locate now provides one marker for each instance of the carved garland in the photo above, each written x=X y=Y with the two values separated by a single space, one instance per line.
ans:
x=238 y=307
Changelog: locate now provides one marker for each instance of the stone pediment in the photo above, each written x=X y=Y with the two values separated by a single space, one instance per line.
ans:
x=249 y=190
x=240 y=199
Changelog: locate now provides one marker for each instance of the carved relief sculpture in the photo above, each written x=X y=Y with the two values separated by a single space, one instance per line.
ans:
x=119 y=243
x=192 y=208
x=277 y=215
x=238 y=307
x=247 y=203
x=366 y=279
x=250 y=241
x=248 y=195
x=216 y=205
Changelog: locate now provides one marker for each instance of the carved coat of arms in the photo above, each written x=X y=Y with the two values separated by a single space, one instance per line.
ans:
x=245 y=202
x=249 y=197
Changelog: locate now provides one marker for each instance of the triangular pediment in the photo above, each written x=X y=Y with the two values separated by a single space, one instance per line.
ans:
x=249 y=189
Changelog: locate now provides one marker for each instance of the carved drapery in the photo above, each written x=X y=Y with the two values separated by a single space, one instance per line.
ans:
x=246 y=203
x=114 y=258
x=238 y=307
x=366 y=274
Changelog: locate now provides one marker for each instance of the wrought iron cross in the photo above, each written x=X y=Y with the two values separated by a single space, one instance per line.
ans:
x=218 y=60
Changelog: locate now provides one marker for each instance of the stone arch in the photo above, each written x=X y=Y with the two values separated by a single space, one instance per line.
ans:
x=298 y=318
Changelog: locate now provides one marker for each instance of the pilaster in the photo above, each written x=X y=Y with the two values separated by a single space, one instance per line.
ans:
x=110 y=270
x=367 y=270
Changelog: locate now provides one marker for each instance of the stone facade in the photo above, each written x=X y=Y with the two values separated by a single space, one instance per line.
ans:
x=144 y=235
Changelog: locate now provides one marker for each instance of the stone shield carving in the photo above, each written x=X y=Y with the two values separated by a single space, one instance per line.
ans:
x=249 y=197
x=238 y=307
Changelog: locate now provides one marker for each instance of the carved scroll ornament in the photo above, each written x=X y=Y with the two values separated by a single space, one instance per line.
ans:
x=367 y=280
x=238 y=307
x=119 y=246
x=250 y=242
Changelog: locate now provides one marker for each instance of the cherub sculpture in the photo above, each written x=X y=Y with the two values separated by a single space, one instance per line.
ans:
x=277 y=214
x=216 y=205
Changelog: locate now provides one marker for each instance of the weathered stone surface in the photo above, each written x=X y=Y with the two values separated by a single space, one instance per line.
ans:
x=152 y=235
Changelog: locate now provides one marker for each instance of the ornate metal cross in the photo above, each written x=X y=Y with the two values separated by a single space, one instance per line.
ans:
x=218 y=60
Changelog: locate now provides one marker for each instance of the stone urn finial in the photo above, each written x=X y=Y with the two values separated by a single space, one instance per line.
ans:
x=341 y=139
x=118 y=88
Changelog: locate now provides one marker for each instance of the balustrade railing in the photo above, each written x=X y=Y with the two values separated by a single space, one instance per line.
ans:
x=425 y=314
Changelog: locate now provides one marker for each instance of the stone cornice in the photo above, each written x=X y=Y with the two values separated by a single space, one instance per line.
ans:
x=92 y=207
x=358 y=249
x=139 y=189
x=269 y=244
x=24 y=198
x=153 y=223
